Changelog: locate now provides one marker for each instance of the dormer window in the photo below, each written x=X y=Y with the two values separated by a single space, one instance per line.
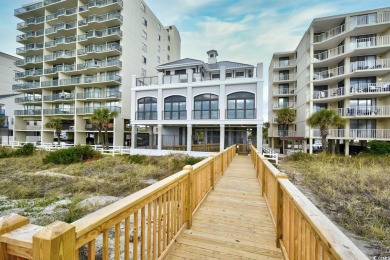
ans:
x=229 y=75
x=211 y=55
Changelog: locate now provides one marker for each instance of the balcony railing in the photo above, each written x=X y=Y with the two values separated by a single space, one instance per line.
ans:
x=329 y=73
x=99 y=3
x=100 y=33
x=29 y=73
x=284 y=63
x=172 y=79
x=146 y=115
x=49 y=2
x=89 y=110
x=28 y=8
x=240 y=113
x=60 y=40
x=284 y=91
x=28 y=99
x=147 y=81
x=49 y=83
x=281 y=133
x=175 y=115
x=334 y=92
x=364 y=111
x=60 y=12
x=284 y=105
x=29 y=34
x=99 y=64
x=26 y=85
x=101 y=18
x=330 y=53
x=382 y=87
x=30 y=47
x=371 y=42
x=99 y=94
x=205 y=114
x=99 y=49
x=59 y=111
x=61 y=96
x=29 y=112
x=370 y=64
x=60 y=55
x=90 y=80
x=329 y=34
x=61 y=26
x=32 y=20
x=62 y=68
x=369 y=134
x=284 y=77
x=30 y=59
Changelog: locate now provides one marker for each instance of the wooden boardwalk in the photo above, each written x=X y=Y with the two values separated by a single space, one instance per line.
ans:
x=233 y=222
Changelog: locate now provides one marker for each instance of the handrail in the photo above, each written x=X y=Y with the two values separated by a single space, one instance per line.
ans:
x=302 y=230
x=156 y=214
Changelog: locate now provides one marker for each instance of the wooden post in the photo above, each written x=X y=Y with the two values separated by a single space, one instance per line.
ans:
x=56 y=241
x=263 y=173
x=189 y=195
x=213 y=172
x=279 y=209
x=222 y=169
x=7 y=224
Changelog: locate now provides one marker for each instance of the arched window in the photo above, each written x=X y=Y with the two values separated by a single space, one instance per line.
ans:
x=206 y=107
x=147 y=108
x=241 y=105
x=175 y=108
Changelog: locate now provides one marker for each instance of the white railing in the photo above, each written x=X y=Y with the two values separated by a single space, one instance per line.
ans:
x=369 y=134
x=329 y=53
x=334 y=92
x=284 y=105
x=363 y=111
x=270 y=154
x=362 y=88
x=281 y=133
x=287 y=91
x=370 y=64
x=329 y=34
x=284 y=63
x=284 y=77
x=370 y=42
x=329 y=73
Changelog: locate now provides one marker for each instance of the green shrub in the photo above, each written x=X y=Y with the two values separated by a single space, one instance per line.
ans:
x=192 y=160
x=72 y=155
x=138 y=159
x=379 y=147
x=300 y=156
x=26 y=150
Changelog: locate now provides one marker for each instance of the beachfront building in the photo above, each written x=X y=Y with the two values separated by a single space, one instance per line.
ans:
x=198 y=106
x=79 y=55
x=341 y=63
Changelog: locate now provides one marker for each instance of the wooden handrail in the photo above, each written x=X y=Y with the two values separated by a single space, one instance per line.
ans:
x=155 y=216
x=302 y=230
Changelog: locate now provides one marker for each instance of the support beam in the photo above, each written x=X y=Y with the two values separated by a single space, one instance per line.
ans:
x=222 y=138
x=346 y=147
x=159 y=137
x=133 y=136
x=189 y=138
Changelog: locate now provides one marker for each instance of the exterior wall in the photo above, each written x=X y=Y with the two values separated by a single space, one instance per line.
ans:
x=144 y=45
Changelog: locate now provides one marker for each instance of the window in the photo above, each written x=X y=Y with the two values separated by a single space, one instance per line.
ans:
x=143 y=59
x=159 y=27
x=168 y=72
x=144 y=34
x=143 y=73
x=144 y=22
x=284 y=61
x=168 y=58
x=158 y=59
x=143 y=8
x=284 y=75
x=206 y=107
x=363 y=128
x=239 y=74
x=364 y=63
x=169 y=38
x=362 y=84
x=159 y=37
x=180 y=72
x=147 y=108
x=144 y=47
x=215 y=76
x=229 y=74
x=175 y=108
x=241 y=105
x=319 y=106
x=169 y=48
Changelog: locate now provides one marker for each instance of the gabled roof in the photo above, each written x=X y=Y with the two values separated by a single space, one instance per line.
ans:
x=180 y=63
x=227 y=65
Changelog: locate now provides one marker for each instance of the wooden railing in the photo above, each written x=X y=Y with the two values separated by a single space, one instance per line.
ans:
x=143 y=225
x=302 y=230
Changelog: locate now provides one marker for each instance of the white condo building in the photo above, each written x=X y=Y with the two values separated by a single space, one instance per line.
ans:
x=197 y=106
x=79 y=55
x=341 y=63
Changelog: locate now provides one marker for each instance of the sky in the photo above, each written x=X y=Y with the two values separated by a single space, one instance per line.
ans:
x=247 y=31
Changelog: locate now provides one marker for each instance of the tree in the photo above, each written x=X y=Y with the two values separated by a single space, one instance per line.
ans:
x=266 y=125
x=101 y=118
x=285 y=116
x=2 y=121
x=324 y=119
x=56 y=124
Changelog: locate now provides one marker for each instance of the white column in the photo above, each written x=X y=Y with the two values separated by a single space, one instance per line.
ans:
x=311 y=145
x=222 y=138
x=259 y=137
x=133 y=136
x=189 y=103
x=159 y=137
x=222 y=101
x=189 y=138
x=151 y=136
x=160 y=104
x=160 y=78
x=190 y=74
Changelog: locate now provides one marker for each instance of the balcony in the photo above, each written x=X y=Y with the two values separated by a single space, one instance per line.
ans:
x=369 y=89
x=30 y=99
x=378 y=64
x=60 y=41
x=30 y=48
x=59 y=111
x=49 y=83
x=113 y=94
x=91 y=80
x=282 y=133
x=210 y=114
x=110 y=5
x=146 y=115
x=358 y=134
x=107 y=20
x=62 y=68
x=30 y=34
x=329 y=53
x=29 y=60
x=101 y=50
x=284 y=77
x=52 y=32
x=61 y=12
x=329 y=34
x=29 y=112
x=240 y=113
x=100 y=65
x=27 y=8
x=330 y=93
x=26 y=85
x=31 y=21
x=328 y=76
x=89 y=110
x=284 y=92
x=93 y=36
x=284 y=64
x=61 y=55
x=59 y=97
x=284 y=105
x=364 y=111
x=29 y=73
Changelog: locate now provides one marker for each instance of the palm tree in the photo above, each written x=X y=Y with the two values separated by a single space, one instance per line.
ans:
x=285 y=116
x=324 y=119
x=101 y=118
x=56 y=123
